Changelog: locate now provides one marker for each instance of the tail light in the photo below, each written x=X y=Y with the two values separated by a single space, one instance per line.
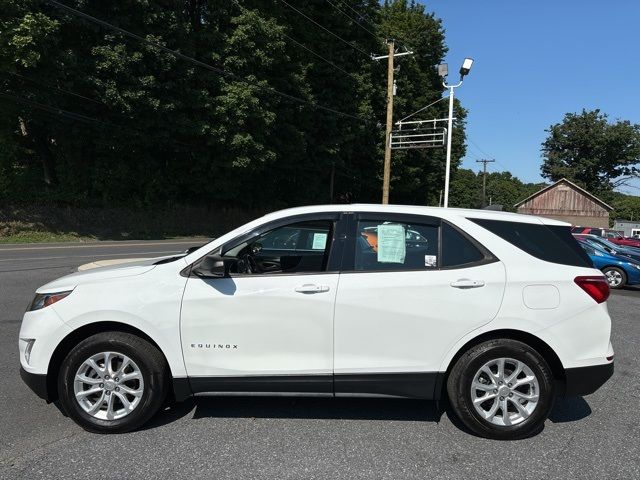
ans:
x=596 y=286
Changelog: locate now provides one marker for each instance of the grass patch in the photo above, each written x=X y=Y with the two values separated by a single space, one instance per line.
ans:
x=44 y=237
x=33 y=224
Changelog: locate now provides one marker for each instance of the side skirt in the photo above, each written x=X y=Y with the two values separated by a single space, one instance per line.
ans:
x=273 y=384
x=406 y=385
x=422 y=385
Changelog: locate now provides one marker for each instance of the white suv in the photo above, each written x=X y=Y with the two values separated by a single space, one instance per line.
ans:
x=498 y=312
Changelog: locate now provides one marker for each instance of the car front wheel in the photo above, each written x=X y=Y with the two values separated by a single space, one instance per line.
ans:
x=501 y=389
x=112 y=382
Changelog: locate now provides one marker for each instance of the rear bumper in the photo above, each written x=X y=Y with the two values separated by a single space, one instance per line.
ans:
x=586 y=380
x=36 y=382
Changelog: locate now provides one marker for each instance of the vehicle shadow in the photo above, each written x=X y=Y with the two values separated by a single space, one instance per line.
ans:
x=301 y=408
x=570 y=409
x=566 y=410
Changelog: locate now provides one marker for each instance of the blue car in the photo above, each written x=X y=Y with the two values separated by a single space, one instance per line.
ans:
x=619 y=270
x=609 y=247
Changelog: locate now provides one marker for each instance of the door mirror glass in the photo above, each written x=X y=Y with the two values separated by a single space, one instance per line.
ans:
x=211 y=266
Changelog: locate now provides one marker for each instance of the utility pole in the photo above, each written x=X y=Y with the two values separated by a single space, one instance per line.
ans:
x=333 y=174
x=484 y=179
x=386 y=177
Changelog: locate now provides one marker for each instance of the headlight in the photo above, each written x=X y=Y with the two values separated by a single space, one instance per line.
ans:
x=42 y=300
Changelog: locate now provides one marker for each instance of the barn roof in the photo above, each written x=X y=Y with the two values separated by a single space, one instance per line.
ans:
x=571 y=184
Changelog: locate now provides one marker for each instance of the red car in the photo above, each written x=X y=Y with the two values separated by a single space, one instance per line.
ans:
x=611 y=235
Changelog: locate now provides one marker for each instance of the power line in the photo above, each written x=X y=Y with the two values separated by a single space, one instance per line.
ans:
x=204 y=65
x=55 y=110
x=325 y=29
x=61 y=90
x=317 y=55
x=83 y=118
x=293 y=40
x=478 y=147
x=343 y=170
x=360 y=15
x=423 y=108
x=354 y=20
x=486 y=154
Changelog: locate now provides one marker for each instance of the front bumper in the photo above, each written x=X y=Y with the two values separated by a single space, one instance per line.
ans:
x=586 y=380
x=36 y=382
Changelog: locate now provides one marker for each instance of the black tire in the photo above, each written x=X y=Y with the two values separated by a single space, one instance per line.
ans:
x=462 y=375
x=622 y=273
x=148 y=358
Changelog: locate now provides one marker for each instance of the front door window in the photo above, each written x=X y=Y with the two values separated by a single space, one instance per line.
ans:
x=296 y=248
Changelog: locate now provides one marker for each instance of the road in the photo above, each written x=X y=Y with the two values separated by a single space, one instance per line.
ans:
x=279 y=438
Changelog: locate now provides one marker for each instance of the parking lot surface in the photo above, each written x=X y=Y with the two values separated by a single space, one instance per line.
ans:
x=592 y=437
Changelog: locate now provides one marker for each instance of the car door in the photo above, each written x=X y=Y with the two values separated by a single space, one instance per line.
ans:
x=268 y=324
x=405 y=298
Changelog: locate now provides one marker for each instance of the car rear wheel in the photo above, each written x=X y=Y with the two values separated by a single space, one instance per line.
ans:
x=616 y=277
x=501 y=389
x=112 y=382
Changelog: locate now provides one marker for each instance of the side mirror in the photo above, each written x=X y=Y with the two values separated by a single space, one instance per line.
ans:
x=192 y=249
x=211 y=266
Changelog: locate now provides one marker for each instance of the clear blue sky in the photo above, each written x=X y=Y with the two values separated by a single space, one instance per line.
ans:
x=536 y=60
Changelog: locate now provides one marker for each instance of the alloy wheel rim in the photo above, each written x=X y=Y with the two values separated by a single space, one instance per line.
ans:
x=108 y=385
x=613 y=277
x=505 y=392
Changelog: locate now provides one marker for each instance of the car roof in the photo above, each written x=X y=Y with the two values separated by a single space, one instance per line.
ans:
x=419 y=210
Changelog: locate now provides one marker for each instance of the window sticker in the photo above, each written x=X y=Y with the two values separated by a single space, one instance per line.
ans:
x=319 y=241
x=391 y=243
x=430 y=260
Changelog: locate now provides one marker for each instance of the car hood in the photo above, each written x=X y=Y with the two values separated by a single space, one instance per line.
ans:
x=128 y=269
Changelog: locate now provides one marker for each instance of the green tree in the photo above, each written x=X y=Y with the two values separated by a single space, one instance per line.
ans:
x=93 y=117
x=588 y=149
x=502 y=189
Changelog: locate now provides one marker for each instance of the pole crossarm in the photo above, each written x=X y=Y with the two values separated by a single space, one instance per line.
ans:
x=421 y=109
x=382 y=57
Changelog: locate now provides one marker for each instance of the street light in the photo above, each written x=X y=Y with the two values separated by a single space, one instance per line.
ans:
x=443 y=71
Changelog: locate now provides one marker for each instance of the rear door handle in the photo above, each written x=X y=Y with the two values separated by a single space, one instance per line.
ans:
x=467 y=283
x=312 y=288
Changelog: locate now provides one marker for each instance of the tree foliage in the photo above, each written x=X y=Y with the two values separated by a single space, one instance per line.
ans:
x=502 y=189
x=591 y=151
x=93 y=117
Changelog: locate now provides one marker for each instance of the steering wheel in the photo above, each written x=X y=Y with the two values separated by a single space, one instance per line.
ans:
x=248 y=264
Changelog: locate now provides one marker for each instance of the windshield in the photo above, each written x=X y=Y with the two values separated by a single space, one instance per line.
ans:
x=605 y=243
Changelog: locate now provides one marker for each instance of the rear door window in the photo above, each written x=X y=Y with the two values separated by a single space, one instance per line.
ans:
x=395 y=245
x=551 y=243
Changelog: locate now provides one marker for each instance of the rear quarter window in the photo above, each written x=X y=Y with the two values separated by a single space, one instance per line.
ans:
x=551 y=243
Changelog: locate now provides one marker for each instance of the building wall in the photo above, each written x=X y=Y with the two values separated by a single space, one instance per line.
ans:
x=628 y=228
x=567 y=204
x=577 y=220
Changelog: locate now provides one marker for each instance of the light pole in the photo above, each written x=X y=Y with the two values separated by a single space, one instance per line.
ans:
x=443 y=71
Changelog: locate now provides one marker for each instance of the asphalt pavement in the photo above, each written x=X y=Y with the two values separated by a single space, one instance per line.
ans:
x=597 y=436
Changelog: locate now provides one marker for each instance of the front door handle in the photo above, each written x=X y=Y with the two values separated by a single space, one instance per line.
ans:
x=312 y=288
x=467 y=283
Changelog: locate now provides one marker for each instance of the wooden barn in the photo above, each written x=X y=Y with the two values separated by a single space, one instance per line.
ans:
x=568 y=202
